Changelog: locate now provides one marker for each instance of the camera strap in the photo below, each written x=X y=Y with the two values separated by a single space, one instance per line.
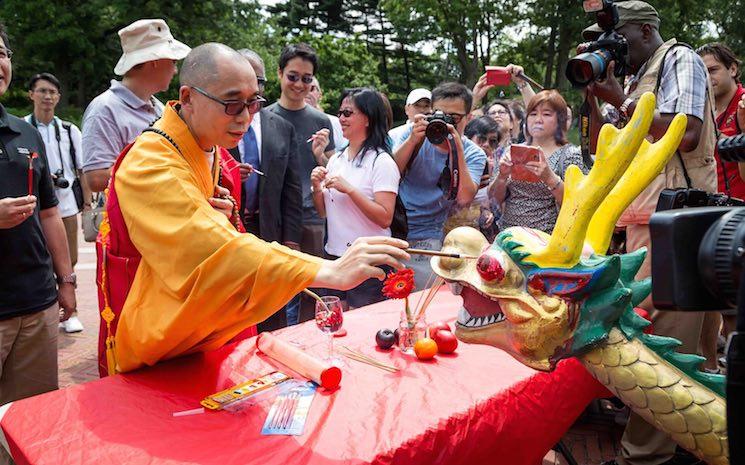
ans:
x=584 y=132
x=57 y=137
x=451 y=164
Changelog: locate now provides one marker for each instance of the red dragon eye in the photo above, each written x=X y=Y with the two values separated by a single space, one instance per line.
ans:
x=489 y=268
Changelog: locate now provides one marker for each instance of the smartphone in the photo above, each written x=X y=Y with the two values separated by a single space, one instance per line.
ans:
x=497 y=76
x=520 y=156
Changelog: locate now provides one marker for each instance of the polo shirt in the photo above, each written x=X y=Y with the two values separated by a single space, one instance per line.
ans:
x=727 y=124
x=27 y=276
x=113 y=120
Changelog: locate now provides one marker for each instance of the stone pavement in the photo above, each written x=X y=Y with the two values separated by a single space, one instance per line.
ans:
x=592 y=440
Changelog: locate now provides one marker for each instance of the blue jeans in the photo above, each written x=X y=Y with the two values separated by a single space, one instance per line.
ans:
x=421 y=263
x=292 y=310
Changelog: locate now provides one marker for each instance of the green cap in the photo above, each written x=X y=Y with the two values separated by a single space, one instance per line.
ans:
x=631 y=11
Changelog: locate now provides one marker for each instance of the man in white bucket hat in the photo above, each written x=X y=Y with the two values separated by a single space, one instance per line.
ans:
x=117 y=116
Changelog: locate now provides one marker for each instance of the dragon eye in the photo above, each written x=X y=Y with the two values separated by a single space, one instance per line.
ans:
x=489 y=268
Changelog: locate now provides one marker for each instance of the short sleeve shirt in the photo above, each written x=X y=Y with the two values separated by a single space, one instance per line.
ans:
x=683 y=84
x=27 y=276
x=373 y=172
x=113 y=120
x=426 y=206
x=58 y=141
x=531 y=204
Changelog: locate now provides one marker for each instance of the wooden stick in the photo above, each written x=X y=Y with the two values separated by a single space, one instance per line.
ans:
x=532 y=81
x=360 y=357
x=436 y=253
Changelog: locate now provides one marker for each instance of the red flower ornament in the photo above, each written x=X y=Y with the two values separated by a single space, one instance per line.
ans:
x=399 y=285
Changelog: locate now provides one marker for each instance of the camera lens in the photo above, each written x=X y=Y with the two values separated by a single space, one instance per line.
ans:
x=60 y=181
x=436 y=132
x=587 y=67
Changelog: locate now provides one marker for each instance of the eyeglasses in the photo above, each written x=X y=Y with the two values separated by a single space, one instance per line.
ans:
x=457 y=117
x=306 y=78
x=262 y=81
x=493 y=141
x=235 y=107
x=346 y=113
x=51 y=92
x=6 y=54
x=501 y=112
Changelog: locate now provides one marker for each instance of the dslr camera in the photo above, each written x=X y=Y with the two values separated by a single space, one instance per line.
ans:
x=592 y=63
x=698 y=264
x=437 y=129
x=59 y=180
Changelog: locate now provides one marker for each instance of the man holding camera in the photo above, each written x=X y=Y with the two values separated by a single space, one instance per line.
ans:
x=439 y=168
x=678 y=78
x=62 y=144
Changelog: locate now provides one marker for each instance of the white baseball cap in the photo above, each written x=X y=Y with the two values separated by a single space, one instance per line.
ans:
x=148 y=40
x=418 y=94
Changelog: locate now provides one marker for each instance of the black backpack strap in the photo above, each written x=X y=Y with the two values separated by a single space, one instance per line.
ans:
x=68 y=128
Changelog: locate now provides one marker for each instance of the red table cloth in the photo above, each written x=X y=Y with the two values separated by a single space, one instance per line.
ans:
x=475 y=406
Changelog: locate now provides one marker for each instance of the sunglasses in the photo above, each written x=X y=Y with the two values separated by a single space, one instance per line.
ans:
x=235 y=107
x=346 y=113
x=262 y=81
x=306 y=78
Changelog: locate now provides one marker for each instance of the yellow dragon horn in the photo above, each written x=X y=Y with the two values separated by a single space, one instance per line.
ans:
x=647 y=164
x=584 y=194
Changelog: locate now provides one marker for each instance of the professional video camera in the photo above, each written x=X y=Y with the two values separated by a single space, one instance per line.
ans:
x=437 y=129
x=593 y=62
x=698 y=258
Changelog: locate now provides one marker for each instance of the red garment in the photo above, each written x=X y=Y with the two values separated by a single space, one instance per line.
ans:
x=727 y=124
x=121 y=257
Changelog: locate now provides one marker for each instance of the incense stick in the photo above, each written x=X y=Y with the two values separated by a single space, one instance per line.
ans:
x=437 y=253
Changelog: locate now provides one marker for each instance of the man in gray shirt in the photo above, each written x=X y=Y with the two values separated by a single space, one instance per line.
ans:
x=114 y=118
x=314 y=137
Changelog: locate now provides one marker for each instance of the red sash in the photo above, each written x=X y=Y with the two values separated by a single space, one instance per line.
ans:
x=117 y=258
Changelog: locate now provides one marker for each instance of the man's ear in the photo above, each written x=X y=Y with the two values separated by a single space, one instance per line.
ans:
x=184 y=96
x=733 y=70
x=31 y=95
x=647 y=32
x=279 y=74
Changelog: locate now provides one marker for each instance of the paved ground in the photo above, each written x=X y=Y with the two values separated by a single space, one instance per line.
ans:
x=593 y=439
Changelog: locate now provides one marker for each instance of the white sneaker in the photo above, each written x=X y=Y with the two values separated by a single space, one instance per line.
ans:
x=72 y=325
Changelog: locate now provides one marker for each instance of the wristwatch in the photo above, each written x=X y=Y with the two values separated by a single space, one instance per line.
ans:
x=624 y=108
x=71 y=278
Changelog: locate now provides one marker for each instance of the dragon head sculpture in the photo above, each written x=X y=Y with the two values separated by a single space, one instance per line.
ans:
x=545 y=297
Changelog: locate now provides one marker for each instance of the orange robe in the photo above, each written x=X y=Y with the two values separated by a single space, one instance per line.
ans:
x=200 y=282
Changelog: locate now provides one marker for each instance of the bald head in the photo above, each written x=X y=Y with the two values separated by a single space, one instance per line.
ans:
x=204 y=64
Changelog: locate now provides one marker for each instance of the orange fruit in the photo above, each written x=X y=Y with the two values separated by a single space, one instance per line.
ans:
x=425 y=348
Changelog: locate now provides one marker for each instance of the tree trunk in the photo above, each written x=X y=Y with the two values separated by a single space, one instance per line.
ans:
x=407 y=71
x=565 y=42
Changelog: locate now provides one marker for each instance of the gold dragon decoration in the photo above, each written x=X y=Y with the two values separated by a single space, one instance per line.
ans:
x=546 y=297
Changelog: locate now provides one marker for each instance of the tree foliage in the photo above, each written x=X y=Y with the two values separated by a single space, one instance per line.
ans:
x=396 y=45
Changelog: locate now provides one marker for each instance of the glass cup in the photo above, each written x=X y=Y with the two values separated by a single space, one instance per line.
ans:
x=329 y=318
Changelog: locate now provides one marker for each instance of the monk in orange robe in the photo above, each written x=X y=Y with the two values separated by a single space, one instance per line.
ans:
x=200 y=282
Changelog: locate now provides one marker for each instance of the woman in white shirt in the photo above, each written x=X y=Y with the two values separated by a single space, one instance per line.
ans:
x=356 y=191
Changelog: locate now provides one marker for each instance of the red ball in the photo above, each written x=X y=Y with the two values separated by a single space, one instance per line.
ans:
x=446 y=342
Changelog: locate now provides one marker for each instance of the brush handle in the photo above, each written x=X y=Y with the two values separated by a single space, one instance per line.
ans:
x=436 y=253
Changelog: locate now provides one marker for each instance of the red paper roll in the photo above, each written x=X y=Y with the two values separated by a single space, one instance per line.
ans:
x=322 y=373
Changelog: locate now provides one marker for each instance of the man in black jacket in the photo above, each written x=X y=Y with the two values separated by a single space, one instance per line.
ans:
x=272 y=201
